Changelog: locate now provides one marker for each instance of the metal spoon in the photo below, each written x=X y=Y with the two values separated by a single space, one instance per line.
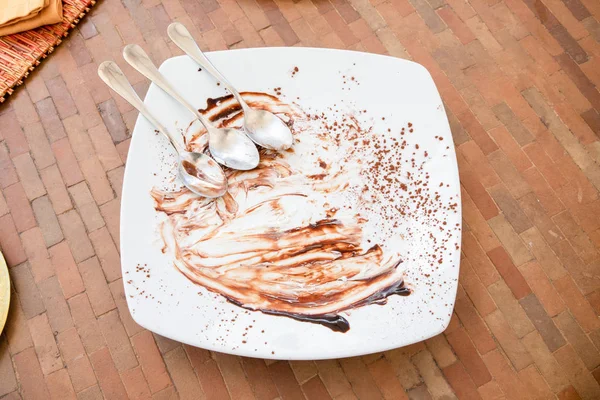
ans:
x=263 y=127
x=230 y=147
x=199 y=173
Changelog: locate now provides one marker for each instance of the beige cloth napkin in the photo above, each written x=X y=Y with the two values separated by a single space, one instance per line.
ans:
x=12 y=11
x=23 y=15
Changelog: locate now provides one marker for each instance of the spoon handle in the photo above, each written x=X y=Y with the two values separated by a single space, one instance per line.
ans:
x=184 y=40
x=138 y=59
x=112 y=75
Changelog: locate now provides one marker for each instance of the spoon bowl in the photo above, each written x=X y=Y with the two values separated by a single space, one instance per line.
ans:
x=199 y=173
x=233 y=148
x=263 y=127
x=267 y=130
x=230 y=147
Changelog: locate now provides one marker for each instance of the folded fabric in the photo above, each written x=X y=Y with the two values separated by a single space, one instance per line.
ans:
x=13 y=13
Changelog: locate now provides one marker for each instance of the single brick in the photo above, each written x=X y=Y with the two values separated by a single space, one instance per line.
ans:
x=580 y=308
x=441 y=351
x=96 y=286
x=474 y=324
x=315 y=389
x=460 y=381
x=542 y=288
x=436 y=384
x=89 y=211
x=37 y=254
x=78 y=364
x=9 y=175
x=511 y=242
x=108 y=377
x=19 y=206
x=468 y=355
x=135 y=383
x=8 y=381
x=151 y=361
x=57 y=191
x=548 y=366
x=25 y=286
x=578 y=339
x=45 y=345
x=47 y=220
x=76 y=236
x=86 y=323
x=578 y=374
x=509 y=341
x=512 y=276
x=10 y=242
x=66 y=161
x=208 y=372
x=117 y=341
x=66 y=270
x=513 y=312
x=113 y=121
x=17 y=331
x=475 y=289
x=31 y=378
x=59 y=385
x=262 y=383
x=181 y=371
x=107 y=253
x=57 y=310
x=39 y=145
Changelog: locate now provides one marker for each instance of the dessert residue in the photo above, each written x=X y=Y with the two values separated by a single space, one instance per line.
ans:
x=313 y=231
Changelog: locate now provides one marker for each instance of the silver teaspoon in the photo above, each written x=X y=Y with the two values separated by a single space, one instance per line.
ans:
x=230 y=147
x=199 y=173
x=263 y=127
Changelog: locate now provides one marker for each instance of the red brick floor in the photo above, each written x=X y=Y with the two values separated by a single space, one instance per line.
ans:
x=520 y=80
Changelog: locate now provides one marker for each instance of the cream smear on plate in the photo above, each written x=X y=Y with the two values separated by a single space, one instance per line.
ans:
x=313 y=231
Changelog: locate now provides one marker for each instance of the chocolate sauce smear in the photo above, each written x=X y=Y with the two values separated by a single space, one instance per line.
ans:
x=335 y=322
x=190 y=168
x=284 y=240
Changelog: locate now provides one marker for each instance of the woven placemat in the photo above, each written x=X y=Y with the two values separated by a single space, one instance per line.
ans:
x=22 y=52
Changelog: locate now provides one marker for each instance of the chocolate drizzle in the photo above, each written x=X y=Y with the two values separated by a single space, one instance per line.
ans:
x=380 y=297
x=334 y=321
x=222 y=107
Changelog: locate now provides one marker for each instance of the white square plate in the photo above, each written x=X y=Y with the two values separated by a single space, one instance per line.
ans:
x=385 y=94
